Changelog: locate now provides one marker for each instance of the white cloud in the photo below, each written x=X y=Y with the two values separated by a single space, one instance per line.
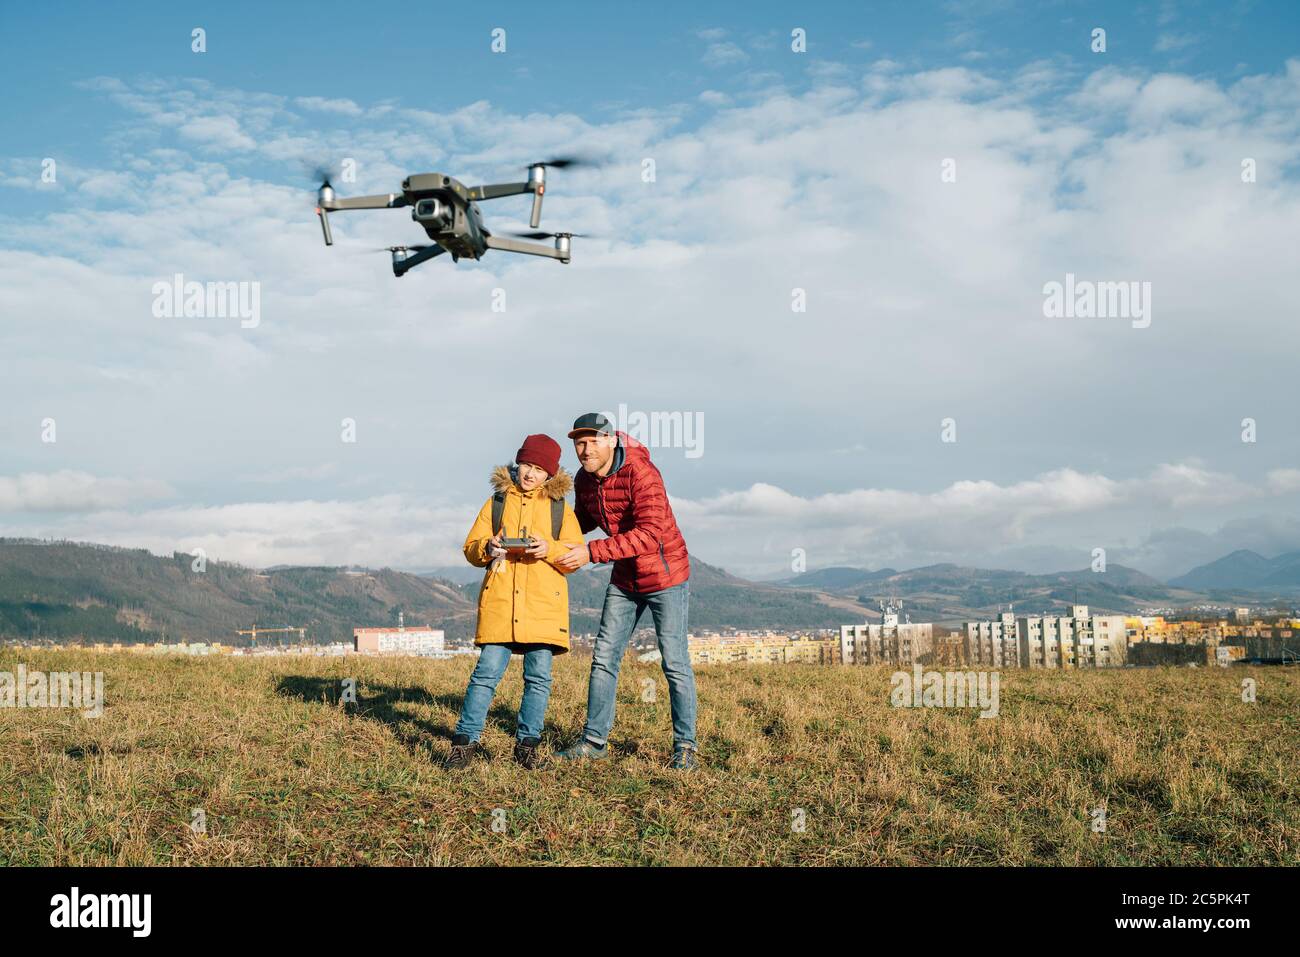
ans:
x=343 y=107
x=1284 y=480
x=222 y=131
x=749 y=531
x=72 y=491
x=924 y=302
x=1168 y=42
x=724 y=53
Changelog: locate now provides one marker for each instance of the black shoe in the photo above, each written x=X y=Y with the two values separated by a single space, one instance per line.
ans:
x=527 y=754
x=463 y=751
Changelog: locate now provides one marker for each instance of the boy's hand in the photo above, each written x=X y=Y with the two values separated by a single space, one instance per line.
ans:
x=494 y=548
x=538 y=548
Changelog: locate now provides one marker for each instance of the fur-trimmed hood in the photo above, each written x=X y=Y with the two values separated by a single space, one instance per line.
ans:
x=556 y=487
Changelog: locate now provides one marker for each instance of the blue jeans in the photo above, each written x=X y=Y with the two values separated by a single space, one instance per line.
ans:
x=617 y=622
x=492 y=663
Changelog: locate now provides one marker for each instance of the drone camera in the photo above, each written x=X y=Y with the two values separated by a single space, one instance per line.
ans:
x=432 y=212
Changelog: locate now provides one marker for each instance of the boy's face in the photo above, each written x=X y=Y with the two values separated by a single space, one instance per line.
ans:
x=594 y=449
x=531 y=476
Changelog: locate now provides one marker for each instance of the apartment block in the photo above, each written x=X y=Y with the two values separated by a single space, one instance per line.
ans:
x=424 y=642
x=765 y=649
x=1077 y=640
x=889 y=643
x=993 y=643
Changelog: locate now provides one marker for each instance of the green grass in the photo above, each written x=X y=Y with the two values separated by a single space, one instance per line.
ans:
x=1187 y=772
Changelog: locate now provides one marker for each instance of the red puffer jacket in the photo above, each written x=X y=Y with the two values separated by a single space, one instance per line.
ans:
x=631 y=507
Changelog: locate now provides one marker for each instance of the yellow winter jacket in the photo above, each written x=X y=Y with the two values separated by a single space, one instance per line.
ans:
x=525 y=601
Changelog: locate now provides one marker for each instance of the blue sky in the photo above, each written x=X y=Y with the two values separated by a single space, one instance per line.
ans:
x=777 y=171
x=587 y=58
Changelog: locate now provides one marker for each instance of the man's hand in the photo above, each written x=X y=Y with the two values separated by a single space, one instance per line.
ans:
x=574 y=558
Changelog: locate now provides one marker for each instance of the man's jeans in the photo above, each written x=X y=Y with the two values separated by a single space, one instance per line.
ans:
x=617 y=622
x=492 y=663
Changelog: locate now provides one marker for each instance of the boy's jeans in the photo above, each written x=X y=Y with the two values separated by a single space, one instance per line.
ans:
x=617 y=622
x=492 y=663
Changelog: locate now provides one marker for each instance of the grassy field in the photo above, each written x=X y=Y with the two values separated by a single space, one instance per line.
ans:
x=1187 y=772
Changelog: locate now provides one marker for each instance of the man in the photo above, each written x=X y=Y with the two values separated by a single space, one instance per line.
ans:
x=620 y=491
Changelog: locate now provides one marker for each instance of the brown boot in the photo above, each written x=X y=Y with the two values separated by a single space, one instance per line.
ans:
x=463 y=751
x=528 y=755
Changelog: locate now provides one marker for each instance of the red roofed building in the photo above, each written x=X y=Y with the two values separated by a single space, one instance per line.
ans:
x=426 y=641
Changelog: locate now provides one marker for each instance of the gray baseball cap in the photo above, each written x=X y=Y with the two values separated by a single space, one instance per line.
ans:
x=591 y=422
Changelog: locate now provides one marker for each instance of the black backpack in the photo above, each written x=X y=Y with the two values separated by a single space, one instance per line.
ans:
x=499 y=507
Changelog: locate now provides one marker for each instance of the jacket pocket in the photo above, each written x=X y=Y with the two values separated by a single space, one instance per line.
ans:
x=662 y=558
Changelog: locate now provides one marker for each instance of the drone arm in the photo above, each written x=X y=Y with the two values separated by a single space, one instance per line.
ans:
x=560 y=252
x=325 y=225
x=326 y=201
x=383 y=201
x=497 y=190
x=535 y=184
x=402 y=266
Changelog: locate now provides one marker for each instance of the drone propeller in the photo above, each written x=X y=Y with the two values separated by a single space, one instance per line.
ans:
x=537 y=179
x=320 y=171
x=324 y=193
x=545 y=235
x=564 y=162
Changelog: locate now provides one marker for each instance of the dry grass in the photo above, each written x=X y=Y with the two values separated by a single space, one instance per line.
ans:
x=1188 y=773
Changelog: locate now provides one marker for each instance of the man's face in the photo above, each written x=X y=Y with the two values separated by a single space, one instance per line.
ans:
x=595 y=450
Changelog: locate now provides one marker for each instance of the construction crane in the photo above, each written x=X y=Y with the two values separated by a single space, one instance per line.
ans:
x=255 y=631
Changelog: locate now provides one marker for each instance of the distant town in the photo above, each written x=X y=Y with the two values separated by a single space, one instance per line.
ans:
x=1078 y=639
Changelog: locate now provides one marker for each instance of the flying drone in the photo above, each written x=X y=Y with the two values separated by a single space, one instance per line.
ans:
x=448 y=211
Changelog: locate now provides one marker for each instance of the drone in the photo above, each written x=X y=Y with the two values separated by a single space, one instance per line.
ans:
x=448 y=211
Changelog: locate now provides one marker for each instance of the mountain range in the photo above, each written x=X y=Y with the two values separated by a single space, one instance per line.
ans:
x=1245 y=570
x=947 y=592
x=63 y=591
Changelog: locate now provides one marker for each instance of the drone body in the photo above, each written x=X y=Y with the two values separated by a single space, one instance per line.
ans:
x=448 y=211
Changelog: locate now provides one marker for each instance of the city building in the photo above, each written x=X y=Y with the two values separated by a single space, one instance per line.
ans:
x=707 y=649
x=889 y=643
x=425 y=642
x=995 y=644
x=1077 y=640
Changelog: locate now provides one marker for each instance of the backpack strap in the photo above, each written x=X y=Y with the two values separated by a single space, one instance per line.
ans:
x=557 y=517
x=498 y=509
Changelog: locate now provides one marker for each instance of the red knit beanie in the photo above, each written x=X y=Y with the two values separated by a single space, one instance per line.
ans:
x=542 y=451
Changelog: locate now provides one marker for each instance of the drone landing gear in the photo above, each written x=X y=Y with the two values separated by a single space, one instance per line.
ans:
x=408 y=257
